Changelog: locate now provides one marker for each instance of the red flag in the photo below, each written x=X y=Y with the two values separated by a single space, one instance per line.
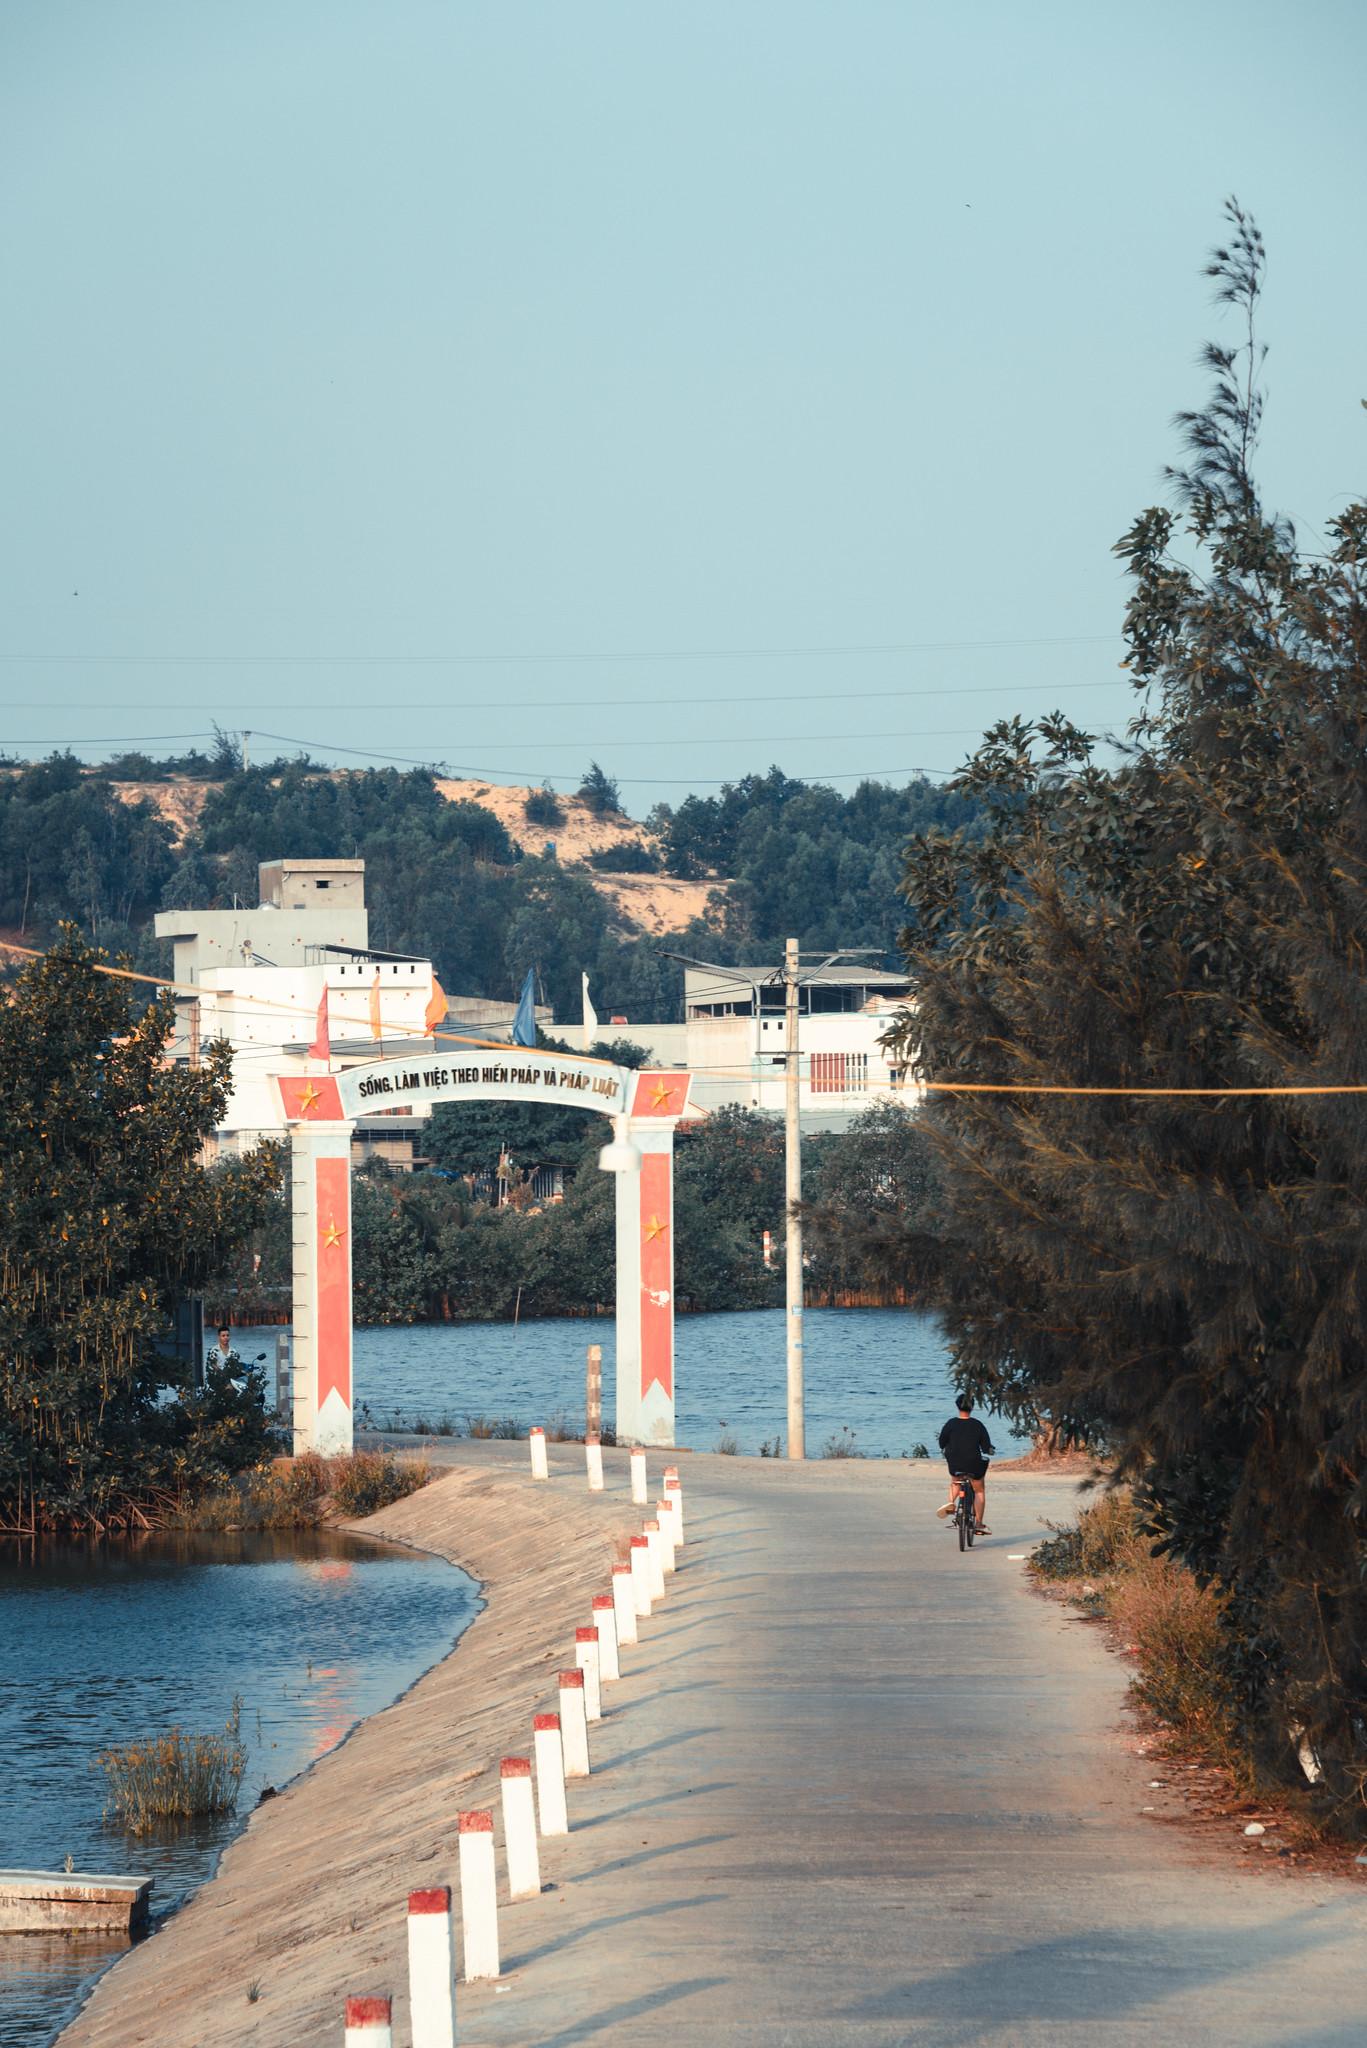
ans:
x=321 y=1048
x=436 y=1006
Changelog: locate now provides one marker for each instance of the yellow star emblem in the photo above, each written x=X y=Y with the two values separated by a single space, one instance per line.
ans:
x=307 y=1099
x=333 y=1235
x=661 y=1098
x=655 y=1229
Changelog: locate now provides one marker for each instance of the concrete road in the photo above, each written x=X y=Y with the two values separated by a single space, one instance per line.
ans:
x=858 y=1788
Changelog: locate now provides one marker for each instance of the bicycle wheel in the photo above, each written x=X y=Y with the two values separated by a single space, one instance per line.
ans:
x=962 y=1520
x=970 y=1519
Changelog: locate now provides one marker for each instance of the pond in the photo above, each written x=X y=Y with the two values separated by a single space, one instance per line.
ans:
x=105 y=1643
x=876 y=1377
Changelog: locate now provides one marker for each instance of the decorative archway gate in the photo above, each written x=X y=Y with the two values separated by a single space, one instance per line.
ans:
x=320 y=1111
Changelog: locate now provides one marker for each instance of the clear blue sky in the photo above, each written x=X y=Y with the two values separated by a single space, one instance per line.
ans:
x=590 y=338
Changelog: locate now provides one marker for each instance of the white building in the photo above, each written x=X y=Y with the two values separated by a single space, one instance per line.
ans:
x=736 y=1033
x=733 y=1035
x=256 y=977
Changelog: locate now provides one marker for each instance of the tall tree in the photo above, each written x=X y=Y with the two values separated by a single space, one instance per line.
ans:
x=1183 y=1278
x=107 y=1216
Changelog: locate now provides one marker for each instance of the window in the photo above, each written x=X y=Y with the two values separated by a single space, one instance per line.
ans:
x=839 y=1073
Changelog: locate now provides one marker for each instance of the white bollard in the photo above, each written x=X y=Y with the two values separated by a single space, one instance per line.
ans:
x=537 y=1440
x=640 y=1574
x=593 y=1458
x=655 y=1557
x=368 y=2023
x=478 y=1896
x=586 y=1657
x=675 y=1492
x=638 y=1478
x=574 y=1726
x=431 y=1969
x=624 y=1605
x=605 y=1621
x=665 y=1514
x=519 y=1829
x=550 y=1775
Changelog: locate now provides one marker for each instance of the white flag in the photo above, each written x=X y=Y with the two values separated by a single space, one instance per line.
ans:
x=590 y=1018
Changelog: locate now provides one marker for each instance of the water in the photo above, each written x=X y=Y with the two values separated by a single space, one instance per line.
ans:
x=880 y=1373
x=106 y=1643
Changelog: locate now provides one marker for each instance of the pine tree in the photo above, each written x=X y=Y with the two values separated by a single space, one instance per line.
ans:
x=1182 y=1280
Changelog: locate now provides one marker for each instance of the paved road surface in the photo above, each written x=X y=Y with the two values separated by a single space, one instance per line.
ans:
x=859 y=1789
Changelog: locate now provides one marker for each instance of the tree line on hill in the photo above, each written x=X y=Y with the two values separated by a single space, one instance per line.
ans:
x=446 y=881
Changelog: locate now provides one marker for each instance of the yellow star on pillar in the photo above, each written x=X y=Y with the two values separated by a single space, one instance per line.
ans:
x=655 y=1229
x=308 y=1098
x=333 y=1235
x=660 y=1099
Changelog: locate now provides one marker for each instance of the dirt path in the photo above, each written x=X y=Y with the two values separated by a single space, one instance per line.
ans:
x=854 y=1787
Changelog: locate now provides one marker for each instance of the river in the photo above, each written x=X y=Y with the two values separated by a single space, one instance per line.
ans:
x=105 y=1643
x=877 y=1379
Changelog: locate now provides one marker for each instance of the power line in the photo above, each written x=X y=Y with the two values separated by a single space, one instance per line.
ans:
x=563 y=703
x=526 y=660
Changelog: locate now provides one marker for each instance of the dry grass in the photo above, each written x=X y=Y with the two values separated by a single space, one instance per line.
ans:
x=305 y=1492
x=174 y=1776
x=1172 y=1627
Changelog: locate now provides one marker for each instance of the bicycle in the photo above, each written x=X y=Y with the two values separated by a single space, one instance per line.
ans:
x=965 y=1514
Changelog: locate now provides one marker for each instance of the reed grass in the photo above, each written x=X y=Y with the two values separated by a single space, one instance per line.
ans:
x=175 y=1776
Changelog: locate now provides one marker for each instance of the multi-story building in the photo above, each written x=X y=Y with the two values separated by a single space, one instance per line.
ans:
x=256 y=977
x=736 y=1032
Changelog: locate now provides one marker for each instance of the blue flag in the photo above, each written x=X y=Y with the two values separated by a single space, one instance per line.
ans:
x=524 y=1023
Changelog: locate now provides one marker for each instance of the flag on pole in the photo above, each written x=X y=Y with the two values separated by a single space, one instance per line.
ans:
x=590 y=1018
x=321 y=1049
x=436 y=1006
x=376 y=1028
x=524 y=1023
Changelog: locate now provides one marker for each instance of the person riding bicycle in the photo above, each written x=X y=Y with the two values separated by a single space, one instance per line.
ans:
x=967 y=1448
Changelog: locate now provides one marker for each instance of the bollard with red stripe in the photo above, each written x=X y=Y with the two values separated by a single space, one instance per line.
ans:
x=368 y=2023
x=668 y=1520
x=593 y=1459
x=624 y=1605
x=550 y=1775
x=638 y=1478
x=640 y=1575
x=431 y=1968
x=586 y=1657
x=519 y=1828
x=655 y=1560
x=537 y=1443
x=478 y=1896
x=574 y=1726
x=605 y=1621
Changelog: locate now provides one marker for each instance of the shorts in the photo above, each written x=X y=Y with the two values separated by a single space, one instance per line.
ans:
x=977 y=1469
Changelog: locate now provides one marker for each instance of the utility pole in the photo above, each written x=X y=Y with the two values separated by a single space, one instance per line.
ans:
x=792 y=1193
x=246 y=751
x=793 y=978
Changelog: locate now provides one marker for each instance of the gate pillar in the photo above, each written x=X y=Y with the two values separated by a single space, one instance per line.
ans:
x=645 y=1267
x=320 y=1188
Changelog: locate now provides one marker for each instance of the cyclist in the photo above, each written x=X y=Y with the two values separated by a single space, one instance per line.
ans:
x=967 y=1448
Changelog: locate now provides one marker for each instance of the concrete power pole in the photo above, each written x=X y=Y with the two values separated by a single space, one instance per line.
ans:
x=792 y=1190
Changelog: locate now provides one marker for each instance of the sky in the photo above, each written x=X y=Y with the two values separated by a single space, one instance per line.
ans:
x=689 y=389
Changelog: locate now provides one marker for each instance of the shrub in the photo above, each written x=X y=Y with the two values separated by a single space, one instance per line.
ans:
x=370 y=1480
x=841 y=1444
x=543 y=807
x=627 y=858
x=1183 y=1648
x=175 y=1776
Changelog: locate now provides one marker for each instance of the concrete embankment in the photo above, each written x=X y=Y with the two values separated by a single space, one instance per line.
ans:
x=309 y=1903
x=852 y=1786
